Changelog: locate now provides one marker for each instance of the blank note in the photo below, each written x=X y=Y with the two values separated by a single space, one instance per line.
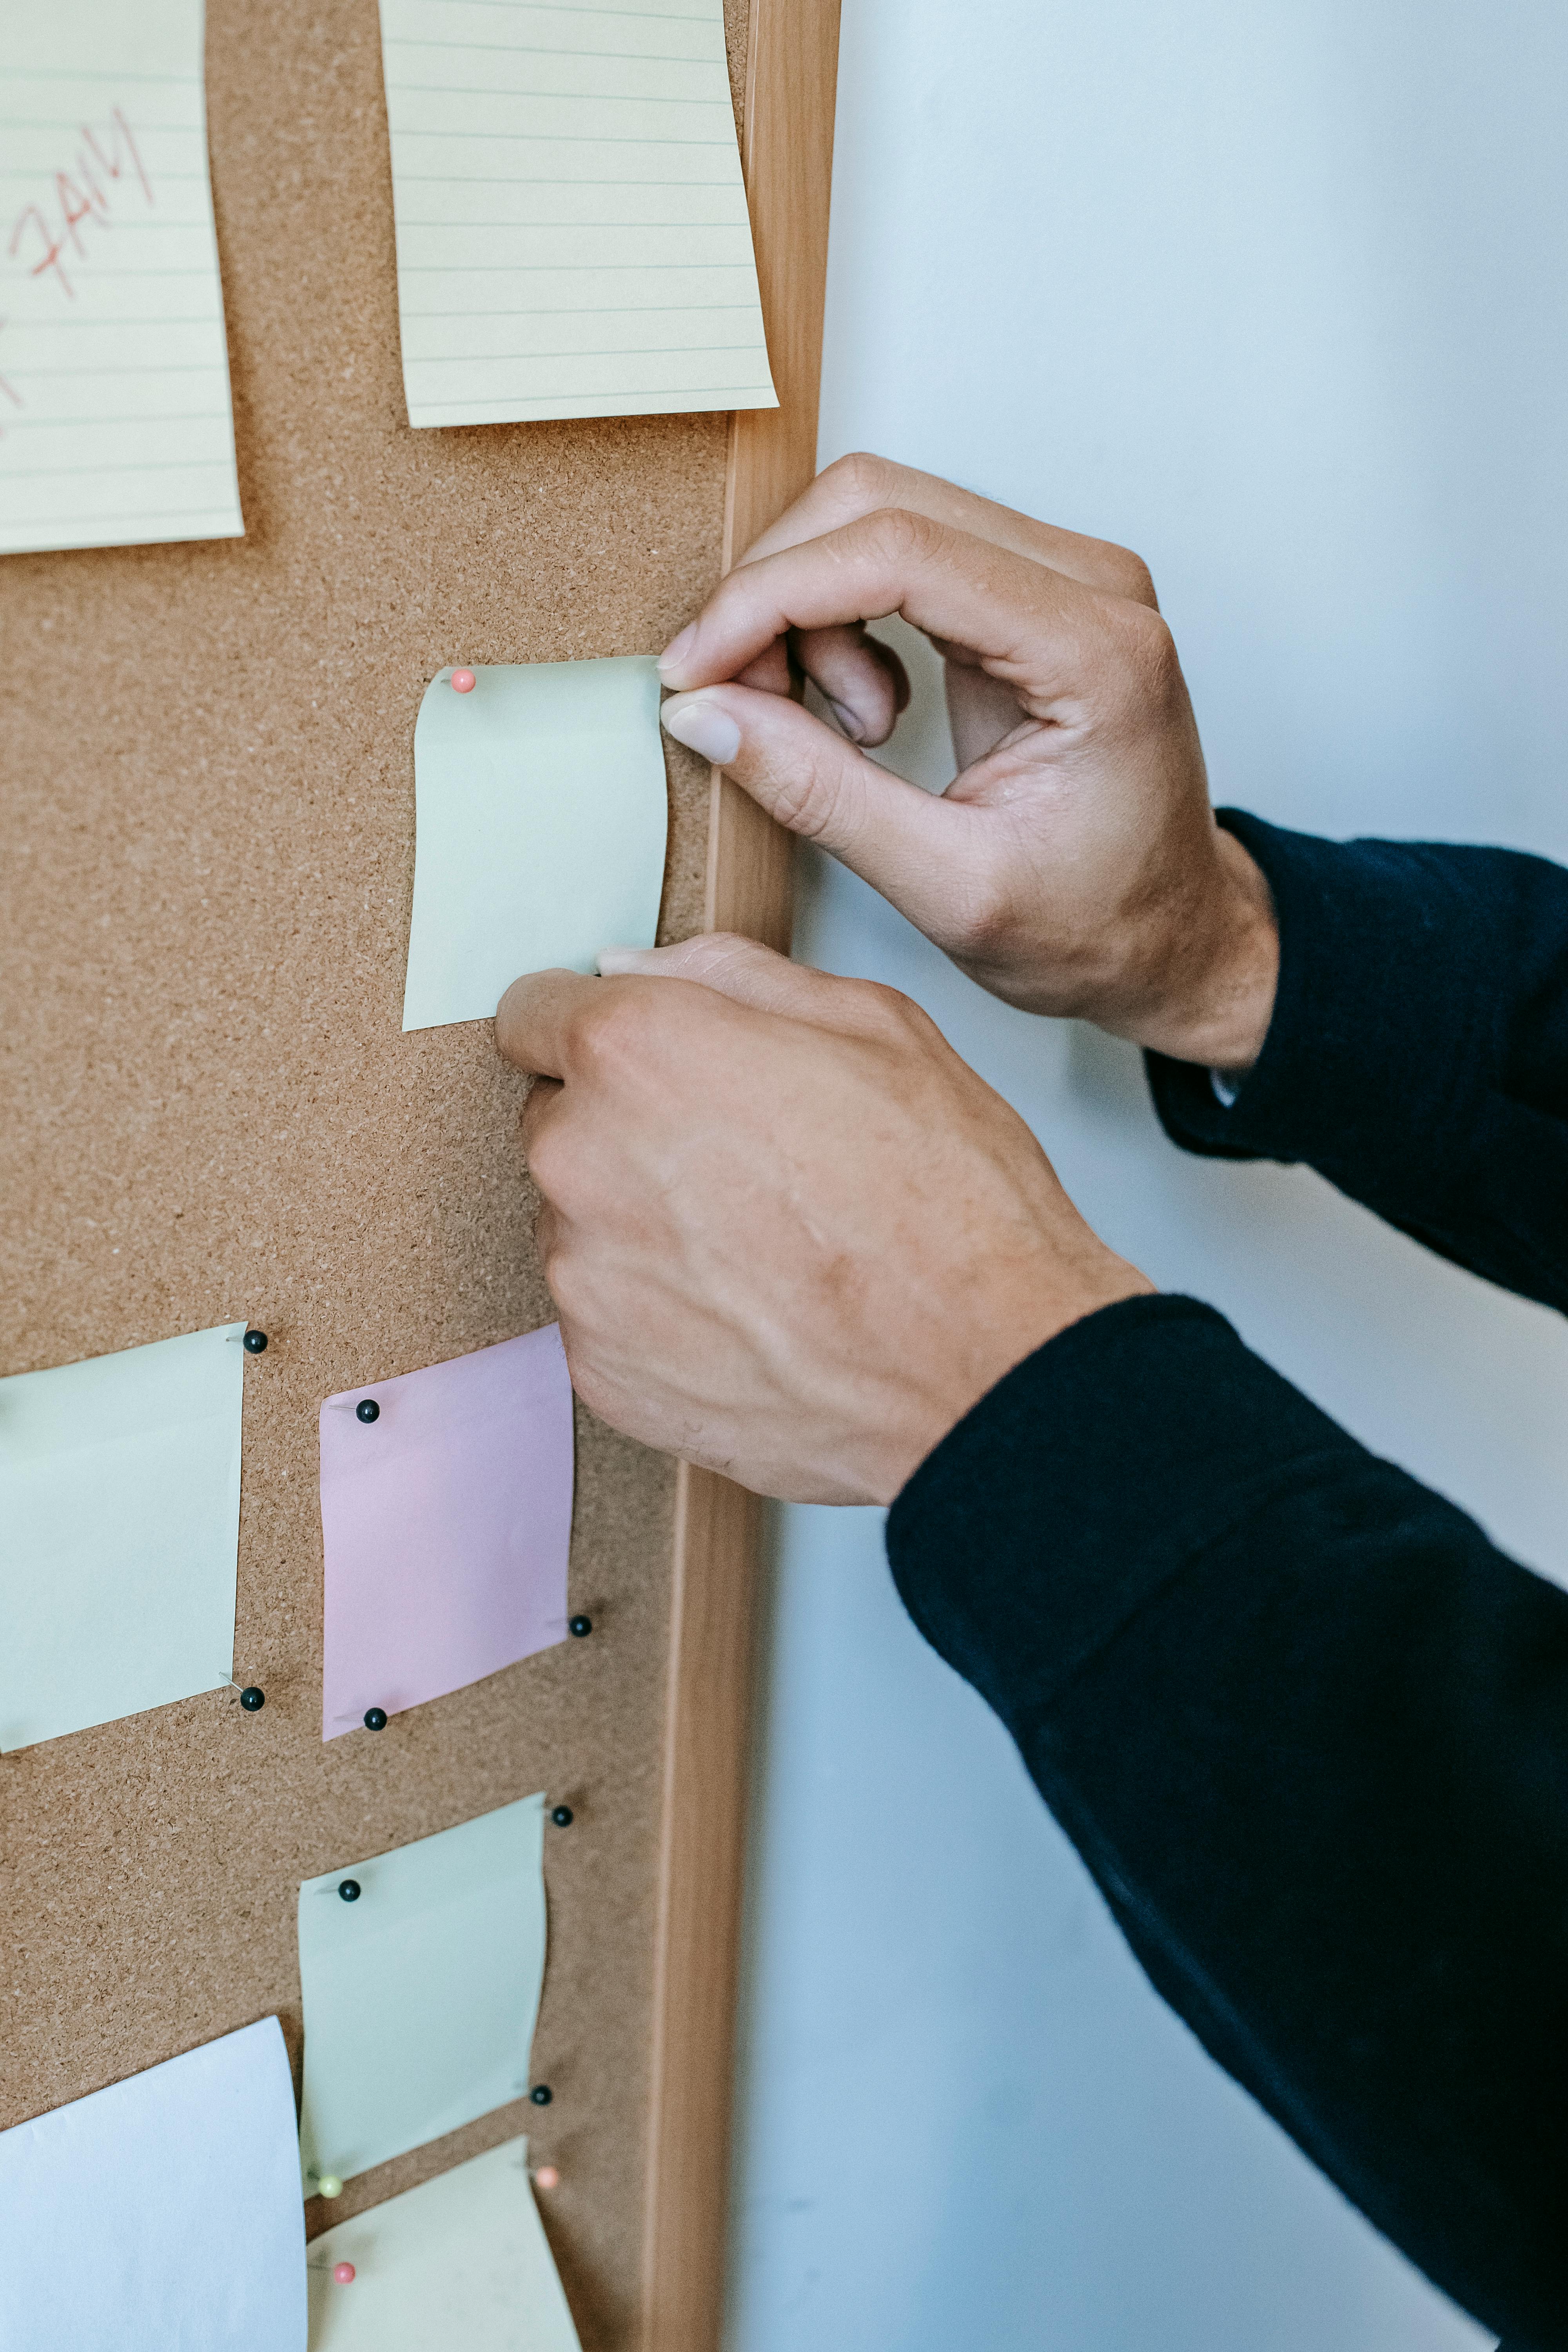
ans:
x=541 y=815
x=573 y=238
x=447 y=1523
x=461 y=2260
x=420 y=1993
x=119 y=1532
x=161 y=2213
x=115 y=426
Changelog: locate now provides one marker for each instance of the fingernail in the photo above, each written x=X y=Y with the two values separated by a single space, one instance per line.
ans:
x=708 y=730
x=846 y=720
x=615 y=959
x=677 y=648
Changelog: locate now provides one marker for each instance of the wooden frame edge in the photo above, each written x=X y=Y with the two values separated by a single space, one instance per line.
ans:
x=791 y=71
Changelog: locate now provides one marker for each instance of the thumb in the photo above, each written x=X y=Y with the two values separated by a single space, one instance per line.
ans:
x=903 y=841
x=750 y=974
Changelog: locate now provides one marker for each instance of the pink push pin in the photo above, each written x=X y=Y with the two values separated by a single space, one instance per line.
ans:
x=463 y=681
x=344 y=2274
x=547 y=2177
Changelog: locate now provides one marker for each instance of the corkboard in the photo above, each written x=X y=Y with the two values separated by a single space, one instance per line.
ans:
x=212 y=1113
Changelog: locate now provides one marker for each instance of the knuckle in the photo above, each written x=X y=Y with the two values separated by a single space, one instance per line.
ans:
x=1152 y=656
x=885 y=1011
x=807 y=794
x=614 y=1032
x=1131 y=576
x=561 y=1270
x=859 y=479
x=899 y=536
x=549 y=1156
x=984 y=914
x=591 y=1384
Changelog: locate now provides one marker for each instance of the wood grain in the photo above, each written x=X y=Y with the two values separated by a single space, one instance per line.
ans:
x=788 y=144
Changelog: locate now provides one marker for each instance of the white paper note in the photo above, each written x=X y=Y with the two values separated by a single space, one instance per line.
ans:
x=420 y=1993
x=460 y=2260
x=573 y=238
x=162 y=2214
x=119 y=1532
x=541 y=817
x=115 y=425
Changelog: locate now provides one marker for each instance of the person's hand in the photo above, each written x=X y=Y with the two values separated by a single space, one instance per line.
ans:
x=1074 y=866
x=791 y=1234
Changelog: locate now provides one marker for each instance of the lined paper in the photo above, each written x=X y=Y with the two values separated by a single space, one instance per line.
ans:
x=573 y=238
x=115 y=424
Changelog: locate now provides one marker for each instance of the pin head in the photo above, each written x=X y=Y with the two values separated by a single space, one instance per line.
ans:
x=252 y=1698
x=561 y=1816
x=375 y=1719
x=327 y=2184
x=344 y=2274
x=255 y=1343
x=349 y=1889
x=547 y=2177
x=579 y=1626
x=367 y=1410
x=542 y=2095
x=463 y=681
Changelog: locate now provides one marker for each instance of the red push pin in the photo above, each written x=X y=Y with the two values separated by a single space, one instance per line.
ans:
x=344 y=2274
x=463 y=681
x=547 y=2177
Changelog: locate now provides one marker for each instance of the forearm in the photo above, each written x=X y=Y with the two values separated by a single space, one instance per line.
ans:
x=1417 y=1051
x=1308 y=1730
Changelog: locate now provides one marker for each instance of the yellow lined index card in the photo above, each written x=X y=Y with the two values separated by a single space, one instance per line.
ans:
x=573 y=238
x=115 y=422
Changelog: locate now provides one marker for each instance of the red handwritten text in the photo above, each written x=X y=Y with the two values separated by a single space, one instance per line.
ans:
x=82 y=195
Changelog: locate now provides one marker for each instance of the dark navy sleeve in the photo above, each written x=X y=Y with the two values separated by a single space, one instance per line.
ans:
x=1418 y=1053
x=1307 y=1729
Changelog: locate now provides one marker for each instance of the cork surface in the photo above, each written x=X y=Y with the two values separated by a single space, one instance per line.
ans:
x=211 y=1112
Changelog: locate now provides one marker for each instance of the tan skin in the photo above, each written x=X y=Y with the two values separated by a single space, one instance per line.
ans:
x=791 y=1236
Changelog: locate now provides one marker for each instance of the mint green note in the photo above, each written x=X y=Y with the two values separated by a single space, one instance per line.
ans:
x=420 y=1993
x=119 y=1532
x=541 y=818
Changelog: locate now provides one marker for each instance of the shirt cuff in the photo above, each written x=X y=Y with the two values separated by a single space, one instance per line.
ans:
x=1383 y=958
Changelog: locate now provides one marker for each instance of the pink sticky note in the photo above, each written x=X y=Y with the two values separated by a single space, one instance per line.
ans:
x=446 y=1515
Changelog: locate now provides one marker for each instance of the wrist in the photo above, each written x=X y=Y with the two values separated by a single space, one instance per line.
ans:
x=1007 y=1320
x=1216 y=996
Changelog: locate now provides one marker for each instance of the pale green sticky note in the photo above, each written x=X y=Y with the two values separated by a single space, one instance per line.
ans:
x=460 y=2260
x=119 y=1532
x=540 y=822
x=573 y=236
x=420 y=1991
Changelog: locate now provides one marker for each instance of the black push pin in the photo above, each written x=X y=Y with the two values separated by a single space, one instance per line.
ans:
x=255 y=1343
x=579 y=1626
x=542 y=2095
x=349 y=1889
x=375 y=1719
x=252 y=1698
x=561 y=1816
x=367 y=1410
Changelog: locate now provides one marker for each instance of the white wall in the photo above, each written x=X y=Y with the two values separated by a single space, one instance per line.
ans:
x=1273 y=292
